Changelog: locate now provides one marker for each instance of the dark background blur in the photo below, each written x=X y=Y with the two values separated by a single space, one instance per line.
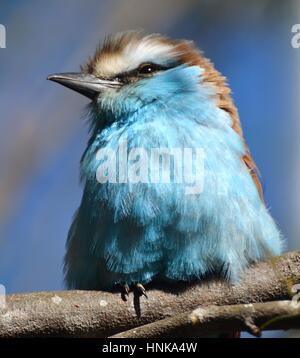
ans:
x=42 y=133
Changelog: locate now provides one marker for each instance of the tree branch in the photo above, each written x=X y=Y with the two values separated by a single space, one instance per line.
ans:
x=205 y=321
x=102 y=314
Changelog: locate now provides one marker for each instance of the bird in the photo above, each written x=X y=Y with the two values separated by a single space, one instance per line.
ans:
x=149 y=91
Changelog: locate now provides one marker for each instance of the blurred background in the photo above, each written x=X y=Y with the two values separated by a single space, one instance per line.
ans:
x=43 y=133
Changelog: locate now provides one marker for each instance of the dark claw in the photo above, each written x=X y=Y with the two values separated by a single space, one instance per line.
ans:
x=125 y=291
x=141 y=290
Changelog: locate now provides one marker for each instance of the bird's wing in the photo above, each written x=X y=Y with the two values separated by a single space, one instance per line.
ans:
x=250 y=164
x=226 y=103
x=189 y=54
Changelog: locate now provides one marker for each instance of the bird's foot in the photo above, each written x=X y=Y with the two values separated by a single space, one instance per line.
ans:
x=140 y=289
x=124 y=291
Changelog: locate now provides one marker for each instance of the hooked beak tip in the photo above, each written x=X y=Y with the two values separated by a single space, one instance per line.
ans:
x=55 y=77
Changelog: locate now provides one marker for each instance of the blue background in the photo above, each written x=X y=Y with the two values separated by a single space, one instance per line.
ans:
x=42 y=132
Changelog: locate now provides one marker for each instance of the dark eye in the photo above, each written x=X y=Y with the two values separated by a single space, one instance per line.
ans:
x=147 y=68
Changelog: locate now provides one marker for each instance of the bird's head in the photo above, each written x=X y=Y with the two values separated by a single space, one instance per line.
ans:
x=132 y=70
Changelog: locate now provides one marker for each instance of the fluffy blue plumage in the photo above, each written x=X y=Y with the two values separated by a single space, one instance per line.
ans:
x=139 y=232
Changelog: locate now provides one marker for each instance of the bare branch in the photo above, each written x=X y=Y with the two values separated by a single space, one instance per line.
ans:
x=102 y=314
x=205 y=321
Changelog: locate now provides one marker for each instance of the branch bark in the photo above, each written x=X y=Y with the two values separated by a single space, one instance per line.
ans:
x=205 y=321
x=102 y=314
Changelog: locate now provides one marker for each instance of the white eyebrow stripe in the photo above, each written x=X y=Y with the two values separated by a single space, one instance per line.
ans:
x=133 y=55
x=148 y=51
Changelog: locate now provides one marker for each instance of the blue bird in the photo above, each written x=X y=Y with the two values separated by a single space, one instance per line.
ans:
x=171 y=192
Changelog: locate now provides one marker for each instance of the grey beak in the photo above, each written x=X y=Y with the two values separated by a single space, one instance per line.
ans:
x=86 y=84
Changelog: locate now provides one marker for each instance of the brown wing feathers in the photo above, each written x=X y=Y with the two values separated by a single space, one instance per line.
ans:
x=191 y=55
